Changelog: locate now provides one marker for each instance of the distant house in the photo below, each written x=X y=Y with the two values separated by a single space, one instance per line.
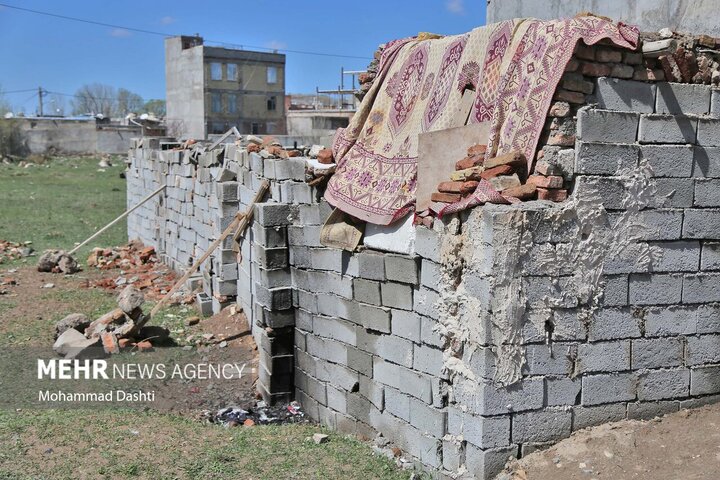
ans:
x=210 y=89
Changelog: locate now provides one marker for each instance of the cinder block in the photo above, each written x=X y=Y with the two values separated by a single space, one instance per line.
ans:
x=562 y=392
x=453 y=455
x=371 y=317
x=682 y=98
x=607 y=126
x=366 y=291
x=482 y=432
x=227 y=191
x=625 y=95
x=430 y=274
x=715 y=104
x=650 y=410
x=675 y=192
x=326 y=259
x=424 y=302
x=555 y=359
x=371 y=266
x=488 y=463
x=705 y=380
x=397 y=295
x=337 y=374
x=614 y=324
x=610 y=189
x=273 y=214
x=327 y=349
x=430 y=334
x=655 y=289
x=603 y=357
x=427 y=419
x=488 y=399
x=710 y=258
x=274 y=298
x=391 y=348
x=701 y=288
x=403 y=379
x=428 y=360
x=707 y=192
x=669 y=160
x=605 y=158
x=270 y=237
x=584 y=417
x=334 y=328
x=657 y=353
x=667 y=129
x=706 y=162
x=401 y=268
x=669 y=321
x=615 y=292
x=663 y=224
x=406 y=325
x=708 y=133
x=271 y=258
x=677 y=256
x=372 y=390
x=663 y=384
x=708 y=318
x=541 y=426
x=397 y=403
x=359 y=361
x=427 y=243
x=703 y=350
x=608 y=388
x=703 y=224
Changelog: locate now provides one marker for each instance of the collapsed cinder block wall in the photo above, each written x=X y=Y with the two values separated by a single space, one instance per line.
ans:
x=509 y=327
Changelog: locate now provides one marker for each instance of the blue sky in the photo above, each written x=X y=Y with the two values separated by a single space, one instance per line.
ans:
x=62 y=55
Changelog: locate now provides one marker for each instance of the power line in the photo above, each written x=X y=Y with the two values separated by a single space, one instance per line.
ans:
x=3 y=92
x=151 y=32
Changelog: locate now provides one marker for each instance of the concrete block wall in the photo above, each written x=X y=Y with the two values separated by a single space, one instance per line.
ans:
x=510 y=326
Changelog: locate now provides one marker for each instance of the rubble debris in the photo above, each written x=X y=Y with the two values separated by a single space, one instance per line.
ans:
x=259 y=414
x=57 y=261
x=77 y=321
x=14 y=251
x=73 y=344
x=130 y=299
x=319 y=438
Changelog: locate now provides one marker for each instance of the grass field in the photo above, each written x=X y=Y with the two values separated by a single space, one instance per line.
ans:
x=65 y=202
x=60 y=203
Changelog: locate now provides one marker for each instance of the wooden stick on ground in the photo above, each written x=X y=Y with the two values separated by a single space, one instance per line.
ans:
x=127 y=212
x=241 y=220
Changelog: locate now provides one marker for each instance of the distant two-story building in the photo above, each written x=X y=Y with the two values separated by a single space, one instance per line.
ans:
x=211 y=89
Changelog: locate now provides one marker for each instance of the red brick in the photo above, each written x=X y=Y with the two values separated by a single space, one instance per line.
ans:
x=670 y=68
x=144 y=346
x=622 y=71
x=687 y=64
x=495 y=171
x=577 y=83
x=513 y=159
x=523 y=192
x=570 y=97
x=596 y=69
x=559 y=109
x=110 y=342
x=469 y=162
x=325 y=156
x=253 y=148
x=457 y=187
x=707 y=41
x=477 y=150
x=644 y=74
x=445 y=197
x=583 y=52
x=554 y=195
x=632 y=58
x=552 y=181
x=561 y=140
x=572 y=65
x=605 y=55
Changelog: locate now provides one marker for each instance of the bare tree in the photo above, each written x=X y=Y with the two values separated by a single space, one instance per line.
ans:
x=128 y=102
x=5 y=106
x=156 y=106
x=94 y=98
x=56 y=105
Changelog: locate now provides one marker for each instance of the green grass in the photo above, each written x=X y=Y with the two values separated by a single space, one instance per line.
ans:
x=61 y=202
x=129 y=444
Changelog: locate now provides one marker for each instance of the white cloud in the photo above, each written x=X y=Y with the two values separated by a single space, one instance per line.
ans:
x=120 y=33
x=455 y=6
x=168 y=20
x=276 y=45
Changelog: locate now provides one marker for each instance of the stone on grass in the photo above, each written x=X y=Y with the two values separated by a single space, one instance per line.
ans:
x=78 y=321
x=73 y=344
x=319 y=438
x=130 y=299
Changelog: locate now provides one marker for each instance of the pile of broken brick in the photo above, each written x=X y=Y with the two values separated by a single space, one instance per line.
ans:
x=269 y=147
x=13 y=251
x=120 y=329
x=139 y=267
x=505 y=173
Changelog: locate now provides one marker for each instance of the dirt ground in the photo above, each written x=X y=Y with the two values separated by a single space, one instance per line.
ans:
x=681 y=446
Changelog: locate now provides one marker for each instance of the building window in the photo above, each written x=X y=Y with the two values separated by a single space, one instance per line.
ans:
x=215 y=71
x=232 y=72
x=272 y=74
x=254 y=128
x=232 y=103
x=272 y=103
x=216 y=106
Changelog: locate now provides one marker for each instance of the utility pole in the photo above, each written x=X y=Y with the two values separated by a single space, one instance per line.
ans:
x=40 y=95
